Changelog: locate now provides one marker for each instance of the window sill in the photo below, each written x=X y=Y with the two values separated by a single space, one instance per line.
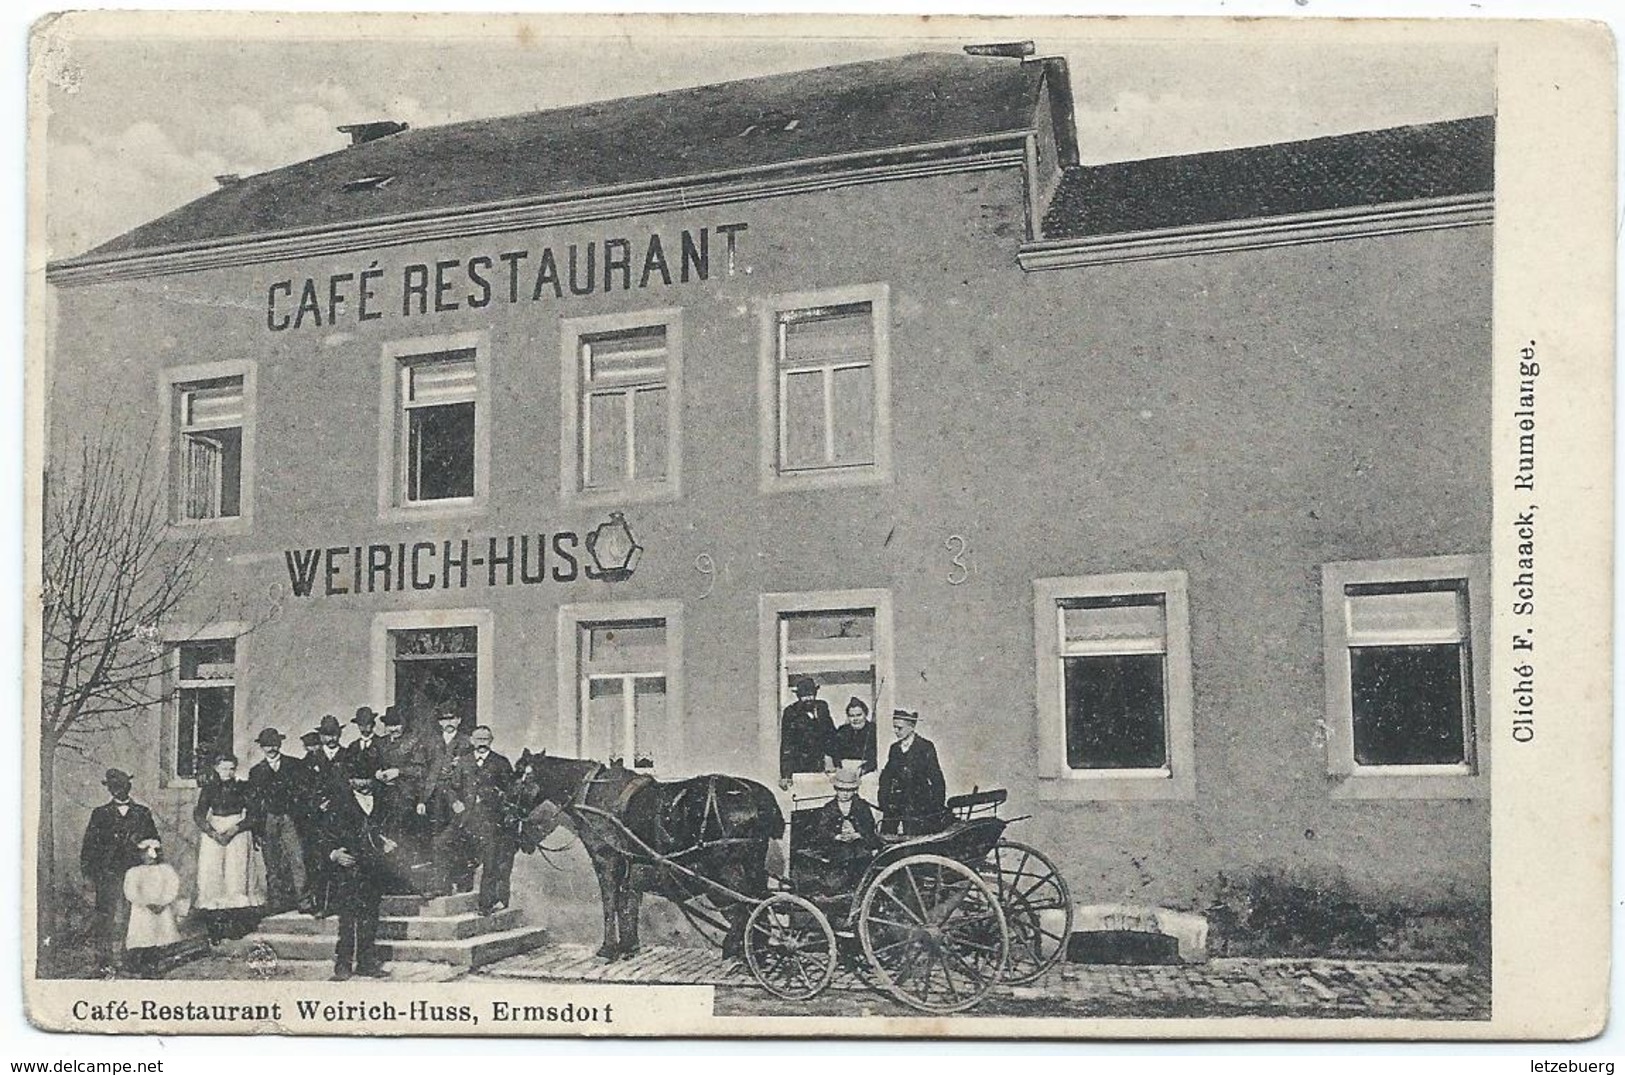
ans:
x=843 y=478
x=652 y=493
x=1388 y=785
x=233 y=526
x=431 y=509
x=1118 y=787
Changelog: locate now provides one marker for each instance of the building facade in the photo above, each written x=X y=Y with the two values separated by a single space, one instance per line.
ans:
x=1161 y=489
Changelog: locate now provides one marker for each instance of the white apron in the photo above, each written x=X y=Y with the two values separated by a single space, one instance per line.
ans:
x=232 y=876
x=145 y=885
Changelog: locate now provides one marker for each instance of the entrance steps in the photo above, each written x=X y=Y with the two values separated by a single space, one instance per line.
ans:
x=446 y=929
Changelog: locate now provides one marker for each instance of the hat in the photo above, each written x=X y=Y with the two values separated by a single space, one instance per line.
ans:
x=269 y=737
x=329 y=725
x=448 y=714
x=311 y=739
x=906 y=714
x=151 y=841
x=364 y=716
x=359 y=765
x=391 y=717
x=859 y=702
x=846 y=778
x=804 y=685
x=117 y=776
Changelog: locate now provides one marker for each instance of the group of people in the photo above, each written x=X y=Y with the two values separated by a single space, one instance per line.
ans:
x=330 y=832
x=912 y=791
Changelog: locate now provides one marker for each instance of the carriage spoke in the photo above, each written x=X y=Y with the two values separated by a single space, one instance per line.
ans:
x=912 y=914
x=892 y=922
x=919 y=900
x=977 y=981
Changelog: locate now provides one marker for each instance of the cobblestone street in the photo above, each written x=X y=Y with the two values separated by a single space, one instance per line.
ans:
x=1222 y=987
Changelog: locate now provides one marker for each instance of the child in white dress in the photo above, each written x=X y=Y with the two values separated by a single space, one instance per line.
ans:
x=153 y=889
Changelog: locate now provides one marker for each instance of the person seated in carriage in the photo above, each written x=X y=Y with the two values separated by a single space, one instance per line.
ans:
x=842 y=839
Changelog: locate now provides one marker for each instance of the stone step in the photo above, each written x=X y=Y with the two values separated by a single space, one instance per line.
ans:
x=398 y=927
x=440 y=906
x=466 y=952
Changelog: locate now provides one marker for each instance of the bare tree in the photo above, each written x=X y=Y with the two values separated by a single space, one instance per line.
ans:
x=112 y=576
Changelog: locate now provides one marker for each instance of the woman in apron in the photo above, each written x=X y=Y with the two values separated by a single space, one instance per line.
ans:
x=230 y=869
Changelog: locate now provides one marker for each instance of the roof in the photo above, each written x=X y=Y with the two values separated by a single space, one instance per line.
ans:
x=754 y=123
x=1395 y=164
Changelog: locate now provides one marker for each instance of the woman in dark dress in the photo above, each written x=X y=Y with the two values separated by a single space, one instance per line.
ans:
x=230 y=869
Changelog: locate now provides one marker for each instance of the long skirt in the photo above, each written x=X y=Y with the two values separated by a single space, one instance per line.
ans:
x=232 y=876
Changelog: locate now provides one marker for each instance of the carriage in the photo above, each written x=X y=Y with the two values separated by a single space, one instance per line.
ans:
x=936 y=920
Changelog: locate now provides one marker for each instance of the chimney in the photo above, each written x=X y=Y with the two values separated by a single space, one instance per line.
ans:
x=1015 y=50
x=230 y=179
x=361 y=133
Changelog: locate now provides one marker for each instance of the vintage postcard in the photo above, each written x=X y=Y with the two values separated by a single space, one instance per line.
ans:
x=791 y=526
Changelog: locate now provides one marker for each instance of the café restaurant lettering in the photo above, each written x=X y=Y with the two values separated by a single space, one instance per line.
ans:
x=598 y=266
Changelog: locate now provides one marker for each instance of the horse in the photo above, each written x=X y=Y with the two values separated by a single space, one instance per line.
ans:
x=717 y=827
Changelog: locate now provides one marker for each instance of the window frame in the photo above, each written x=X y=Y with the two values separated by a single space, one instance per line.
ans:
x=571 y=619
x=770 y=406
x=1058 y=780
x=572 y=331
x=172 y=640
x=394 y=423
x=770 y=608
x=383 y=663
x=1350 y=780
x=171 y=382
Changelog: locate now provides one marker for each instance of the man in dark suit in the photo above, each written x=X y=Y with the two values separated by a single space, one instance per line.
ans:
x=844 y=837
x=355 y=850
x=366 y=747
x=486 y=778
x=912 y=791
x=110 y=847
x=442 y=807
x=400 y=773
x=806 y=734
x=276 y=787
x=324 y=766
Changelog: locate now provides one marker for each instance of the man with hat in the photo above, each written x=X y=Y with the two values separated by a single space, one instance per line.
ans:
x=355 y=847
x=112 y=845
x=912 y=791
x=806 y=734
x=365 y=748
x=402 y=767
x=485 y=780
x=844 y=836
x=276 y=788
x=324 y=766
x=442 y=807
x=309 y=799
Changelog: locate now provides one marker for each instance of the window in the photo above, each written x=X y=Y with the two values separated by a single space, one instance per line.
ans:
x=435 y=400
x=203 y=705
x=620 y=683
x=621 y=407
x=209 y=409
x=1114 y=698
x=840 y=639
x=1404 y=676
x=825 y=388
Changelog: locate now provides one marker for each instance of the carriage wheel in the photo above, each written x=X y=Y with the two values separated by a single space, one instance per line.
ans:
x=790 y=947
x=1037 y=907
x=934 y=933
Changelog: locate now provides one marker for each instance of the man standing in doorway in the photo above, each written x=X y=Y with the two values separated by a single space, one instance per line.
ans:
x=112 y=845
x=453 y=869
x=806 y=734
x=355 y=848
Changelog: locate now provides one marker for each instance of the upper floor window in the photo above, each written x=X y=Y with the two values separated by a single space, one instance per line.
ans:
x=209 y=410
x=621 y=406
x=437 y=424
x=826 y=388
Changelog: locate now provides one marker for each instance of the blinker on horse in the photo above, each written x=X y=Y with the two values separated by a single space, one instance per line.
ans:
x=694 y=840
